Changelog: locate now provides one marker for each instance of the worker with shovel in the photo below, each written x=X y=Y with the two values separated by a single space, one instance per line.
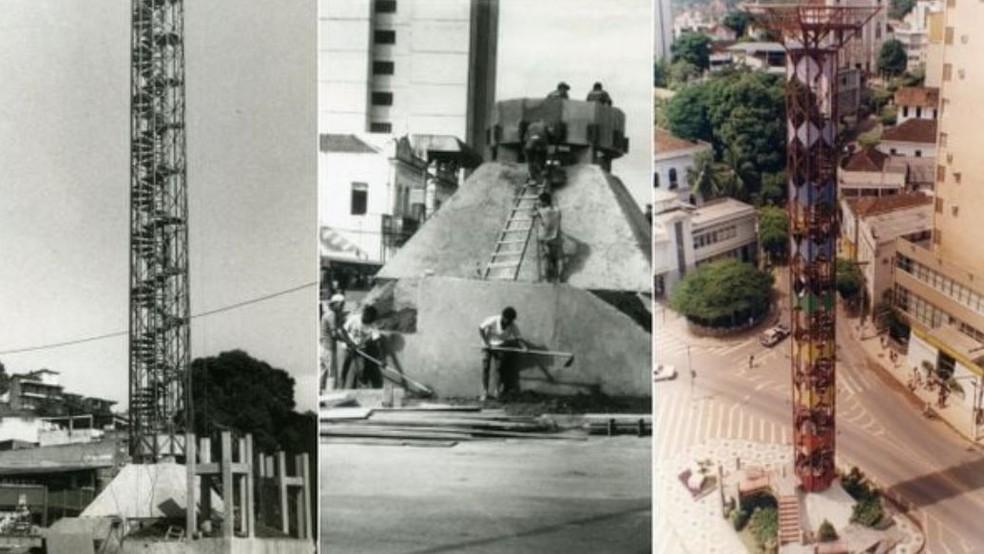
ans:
x=549 y=238
x=500 y=331
x=331 y=322
x=361 y=335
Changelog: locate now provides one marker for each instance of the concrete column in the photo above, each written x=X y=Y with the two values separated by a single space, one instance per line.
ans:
x=243 y=506
x=190 y=461
x=250 y=506
x=282 y=487
x=228 y=492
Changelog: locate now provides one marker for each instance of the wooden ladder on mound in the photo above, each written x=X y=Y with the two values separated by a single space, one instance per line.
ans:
x=514 y=239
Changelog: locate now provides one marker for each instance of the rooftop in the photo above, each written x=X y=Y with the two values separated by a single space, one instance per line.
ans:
x=721 y=209
x=912 y=130
x=866 y=159
x=667 y=142
x=749 y=47
x=926 y=97
x=338 y=143
x=868 y=206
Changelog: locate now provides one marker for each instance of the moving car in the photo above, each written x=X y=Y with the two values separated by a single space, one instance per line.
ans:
x=774 y=336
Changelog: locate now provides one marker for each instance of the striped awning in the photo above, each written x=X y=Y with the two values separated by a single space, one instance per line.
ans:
x=336 y=247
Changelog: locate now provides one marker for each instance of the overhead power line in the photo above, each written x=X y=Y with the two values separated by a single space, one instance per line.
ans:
x=93 y=338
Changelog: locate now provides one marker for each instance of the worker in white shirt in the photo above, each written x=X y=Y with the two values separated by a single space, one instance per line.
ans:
x=331 y=322
x=500 y=331
x=549 y=235
x=361 y=333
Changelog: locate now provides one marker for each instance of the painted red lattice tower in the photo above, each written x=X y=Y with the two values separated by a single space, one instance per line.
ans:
x=812 y=35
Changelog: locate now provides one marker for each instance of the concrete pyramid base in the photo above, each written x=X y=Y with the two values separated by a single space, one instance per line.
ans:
x=833 y=505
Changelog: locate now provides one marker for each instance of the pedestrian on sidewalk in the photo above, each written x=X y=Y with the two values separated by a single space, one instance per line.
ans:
x=498 y=332
x=751 y=360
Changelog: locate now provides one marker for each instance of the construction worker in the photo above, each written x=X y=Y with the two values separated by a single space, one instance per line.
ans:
x=361 y=335
x=535 y=148
x=500 y=331
x=331 y=320
x=560 y=91
x=549 y=235
x=599 y=95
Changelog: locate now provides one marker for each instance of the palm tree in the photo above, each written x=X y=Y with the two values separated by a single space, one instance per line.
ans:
x=735 y=181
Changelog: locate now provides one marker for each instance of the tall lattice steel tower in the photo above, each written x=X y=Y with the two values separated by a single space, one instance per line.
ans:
x=159 y=308
x=813 y=34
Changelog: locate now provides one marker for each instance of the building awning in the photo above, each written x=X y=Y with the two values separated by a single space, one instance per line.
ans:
x=961 y=347
x=335 y=247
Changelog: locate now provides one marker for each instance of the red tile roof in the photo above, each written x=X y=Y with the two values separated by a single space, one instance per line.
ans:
x=866 y=159
x=668 y=142
x=912 y=130
x=865 y=206
x=926 y=97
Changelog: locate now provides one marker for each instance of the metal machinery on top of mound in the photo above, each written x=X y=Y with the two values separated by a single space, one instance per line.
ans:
x=813 y=34
x=582 y=132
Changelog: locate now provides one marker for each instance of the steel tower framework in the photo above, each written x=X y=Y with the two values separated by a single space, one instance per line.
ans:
x=813 y=34
x=159 y=305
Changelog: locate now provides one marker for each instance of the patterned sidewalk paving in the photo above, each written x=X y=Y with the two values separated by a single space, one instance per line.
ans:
x=698 y=526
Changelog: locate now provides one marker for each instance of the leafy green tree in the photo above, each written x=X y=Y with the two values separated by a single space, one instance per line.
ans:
x=899 y=8
x=765 y=526
x=737 y=21
x=772 y=192
x=694 y=48
x=687 y=114
x=849 y=279
x=681 y=73
x=892 y=59
x=827 y=533
x=725 y=293
x=234 y=391
x=702 y=177
x=661 y=73
x=747 y=111
x=773 y=231
x=737 y=176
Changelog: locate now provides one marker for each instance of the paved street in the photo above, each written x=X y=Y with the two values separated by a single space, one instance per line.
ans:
x=488 y=496
x=880 y=428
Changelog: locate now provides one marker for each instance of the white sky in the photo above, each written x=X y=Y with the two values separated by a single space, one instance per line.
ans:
x=544 y=42
x=64 y=139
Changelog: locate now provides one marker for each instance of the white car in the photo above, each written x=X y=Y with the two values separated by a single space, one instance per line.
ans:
x=664 y=372
x=774 y=336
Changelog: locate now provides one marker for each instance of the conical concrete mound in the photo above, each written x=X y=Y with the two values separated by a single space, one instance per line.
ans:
x=605 y=234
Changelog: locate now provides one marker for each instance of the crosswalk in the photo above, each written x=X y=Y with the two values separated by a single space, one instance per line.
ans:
x=684 y=421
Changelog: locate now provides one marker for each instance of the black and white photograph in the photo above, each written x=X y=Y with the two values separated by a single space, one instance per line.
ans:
x=158 y=353
x=484 y=171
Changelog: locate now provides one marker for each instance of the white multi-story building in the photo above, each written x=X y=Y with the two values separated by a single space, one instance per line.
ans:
x=672 y=160
x=685 y=236
x=915 y=29
x=663 y=29
x=862 y=51
x=407 y=66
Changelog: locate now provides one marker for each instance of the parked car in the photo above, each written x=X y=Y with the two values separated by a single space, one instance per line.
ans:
x=774 y=335
x=664 y=372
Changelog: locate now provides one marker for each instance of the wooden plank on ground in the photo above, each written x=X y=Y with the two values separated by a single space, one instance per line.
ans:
x=424 y=443
x=383 y=432
x=339 y=414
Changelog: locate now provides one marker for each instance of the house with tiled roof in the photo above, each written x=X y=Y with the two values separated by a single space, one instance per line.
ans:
x=869 y=172
x=869 y=228
x=917 y=103
x=673 y=157
x=913 y=137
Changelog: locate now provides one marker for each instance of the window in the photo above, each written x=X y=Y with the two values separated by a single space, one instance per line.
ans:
x=655 y=180
x=954 y=210
x=939 y=205
x=385 y=6
x=943 y=136
x=893 y=151
x=918 y=153
x=956 y=177
x=673 y=179
x=380 y=127
x=947 y=72
x=382 y=99
x=905 y=111
x=948 y=36
x=360 y=198
x=940 y=173
x=918 y=111
x=382 y=68
x=386 y=36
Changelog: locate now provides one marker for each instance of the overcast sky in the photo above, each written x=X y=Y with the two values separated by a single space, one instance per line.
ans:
x=64 y=181
x=543 y=42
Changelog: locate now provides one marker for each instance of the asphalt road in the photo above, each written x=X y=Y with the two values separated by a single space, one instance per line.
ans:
x=880 y=426
x=522 y=496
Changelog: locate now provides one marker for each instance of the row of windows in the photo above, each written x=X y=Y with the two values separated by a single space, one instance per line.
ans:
x=926 y=313
x=919 y=111
x=710 y=237
x=961 y=293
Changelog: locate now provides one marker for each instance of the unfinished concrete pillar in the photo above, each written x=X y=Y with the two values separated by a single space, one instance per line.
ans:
x=228 y=493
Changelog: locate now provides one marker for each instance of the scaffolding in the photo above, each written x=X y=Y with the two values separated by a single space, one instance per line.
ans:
x=159 y=306
x=813 y=34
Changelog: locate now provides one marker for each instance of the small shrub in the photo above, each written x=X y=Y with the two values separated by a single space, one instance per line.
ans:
x=856 y=485
x=764 y=524
x=868 y=511
x=739 y=518
x=827 y=533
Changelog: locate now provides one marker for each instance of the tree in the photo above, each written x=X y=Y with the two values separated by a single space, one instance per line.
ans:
x=849 y=279
x=737 y=22
x=681 y=73
x=773 y=231
x=892 y=59
x=234 y=391
x=687 y=114
x=899 y=8
x=826 y=532
x=701 y=177
x=737 y=175
x=725 y=293
x=772 y=191
x=661 y=73
x=694 y=48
